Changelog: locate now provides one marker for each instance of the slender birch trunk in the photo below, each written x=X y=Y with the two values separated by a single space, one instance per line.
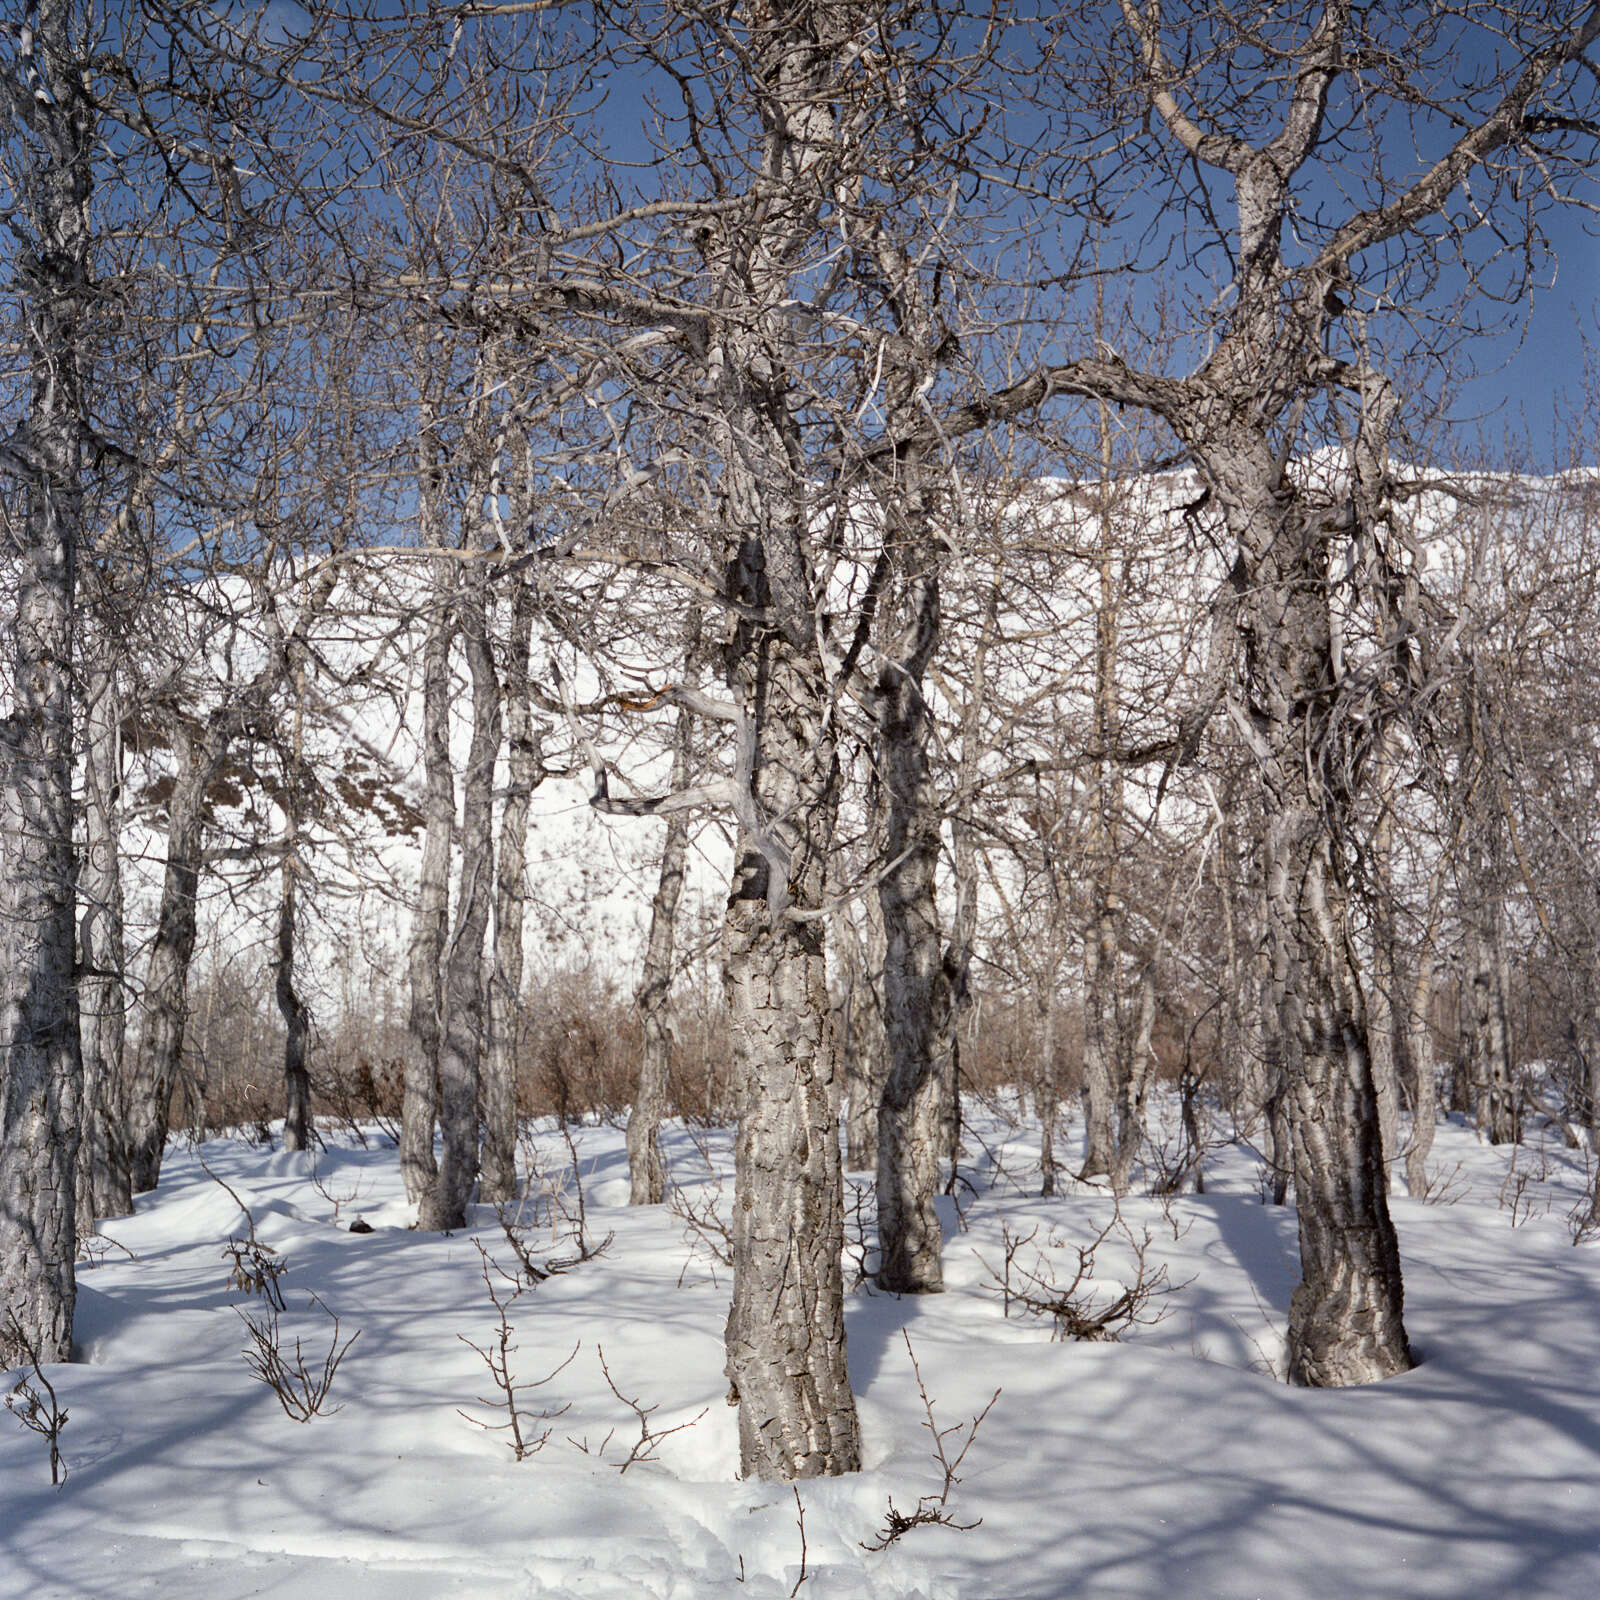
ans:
x=296 y=1019
x=647 y=1172
x=1046 y=1093
x=1385 y=1024
x=444 y=1204
x=201 y=752
x=105 y=1180
x=524 y=769
x=859 y=1028
x=429 y=928
x=1424 y=1069
x=917 y=1002
x=1104 y=1048
x=964 y=858
x=40 y=1067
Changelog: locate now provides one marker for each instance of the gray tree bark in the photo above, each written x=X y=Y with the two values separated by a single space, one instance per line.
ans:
x=105 y=1180
x=202 y=750
x=1105 y=1050
x=296 y=1019
x=785 y=1335
x=444 y=1203
x=647 y=1171
x=524 y=771
x=40 y=1067
x=919 y=1011
x=429 y=928
x=858 y=1027
x=1424 y=1070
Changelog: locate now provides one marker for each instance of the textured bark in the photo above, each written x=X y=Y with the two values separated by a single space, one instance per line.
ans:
x=39 y=1060
x=431 y=923
x=105 y=1180
x=647 y=1172
x=858 y=1028
x=462 y=1024
x=1134 y=1084
x=201 y=751
x=1106 y=1061
x=1424 y=1071
x=296 y=1020
x=524 y=770
x=1486 y=1016
x=785 y=1333
x=917 y=1002
x=1046 y=1095
x=1384 y=1015
x=1345 y=1319
x=1101 y=956
x=964 y=856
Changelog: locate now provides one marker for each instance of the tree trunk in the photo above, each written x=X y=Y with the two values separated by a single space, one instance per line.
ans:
x=1100 y=1030
x=1384 y=1008
x=1488 y=1042
x=296 y=1022
x=1046 y=1097
x=201 y=752
x=1134 y=1082
x=785 y=1333
x=524 y=770
x=917 y=1002
x=964 y=856
x=1425 y=1077
x=859 y=1029
x=444 y=1204
x=429 y=928
x=647 y=1173
x=1105 y=1050
x=1345 y=1318
x=105 y=1180
x=40 y=1068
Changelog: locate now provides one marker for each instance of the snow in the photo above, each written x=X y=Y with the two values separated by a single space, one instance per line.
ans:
x=1169 y=1464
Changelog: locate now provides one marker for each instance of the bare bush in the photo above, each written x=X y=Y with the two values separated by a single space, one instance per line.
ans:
x=932 y=1510
x=255 y=1266
x=33 y=1401
x=1074 y=1310
x=302 y=1390
x=645 y=1446
x=523 y=1426
x=704 y=1229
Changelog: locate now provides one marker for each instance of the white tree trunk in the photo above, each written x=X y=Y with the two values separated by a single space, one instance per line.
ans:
x=39 y=1061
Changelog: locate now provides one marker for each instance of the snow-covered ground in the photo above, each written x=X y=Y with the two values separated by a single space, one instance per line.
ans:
x=1169 y=1465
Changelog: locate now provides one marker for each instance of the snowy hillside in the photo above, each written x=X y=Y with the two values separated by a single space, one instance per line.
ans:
x=1169 y=1465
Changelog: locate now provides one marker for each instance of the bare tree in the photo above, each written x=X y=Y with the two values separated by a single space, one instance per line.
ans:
x=48 y=180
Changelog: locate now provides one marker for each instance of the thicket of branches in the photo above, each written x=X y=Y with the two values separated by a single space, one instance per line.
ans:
x=968 y=482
